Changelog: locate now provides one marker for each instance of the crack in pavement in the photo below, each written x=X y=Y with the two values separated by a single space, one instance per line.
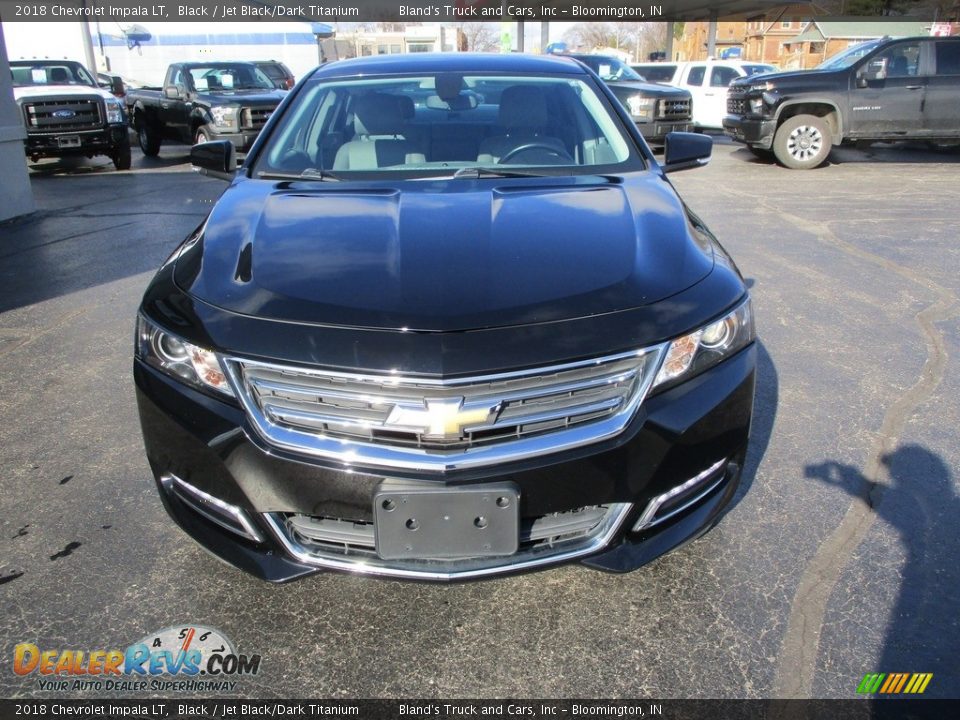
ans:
x=797 y=662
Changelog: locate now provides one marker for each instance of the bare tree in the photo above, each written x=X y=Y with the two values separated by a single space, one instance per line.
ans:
x=479 y=36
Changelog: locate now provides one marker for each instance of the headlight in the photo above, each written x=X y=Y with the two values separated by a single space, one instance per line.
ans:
x=114 y=111
x=696 y=351
x=762 y=87
x=224 y=117
x=180 y=359
x=756 y=106
x=639 y=105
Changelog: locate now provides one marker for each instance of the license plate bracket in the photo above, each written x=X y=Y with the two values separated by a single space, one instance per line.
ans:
x=68 y=141
x=417 y=521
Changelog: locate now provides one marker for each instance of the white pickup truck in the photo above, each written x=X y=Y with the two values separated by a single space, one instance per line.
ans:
x=707 y=82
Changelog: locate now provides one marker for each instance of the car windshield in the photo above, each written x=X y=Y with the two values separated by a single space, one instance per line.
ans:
x=848 y=57
x=758 y=69
x=222 y=78
x=656 y=73
x=609 y=68
x=41 y=73
x=468 y=125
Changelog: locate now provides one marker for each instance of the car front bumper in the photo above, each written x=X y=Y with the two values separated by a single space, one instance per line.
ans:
x=102 y=141
x=239 y=497
x=242 y=140
x=656 y=130
x=755 y=132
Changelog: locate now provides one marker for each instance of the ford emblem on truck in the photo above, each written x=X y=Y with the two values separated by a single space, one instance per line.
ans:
x=64 y=114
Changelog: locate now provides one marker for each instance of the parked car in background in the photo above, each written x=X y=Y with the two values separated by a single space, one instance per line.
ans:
x=499 y=343
x=707 y=82
x=66 y=113
x=279 y=74
x=901 y=89
x=656 y=109
x=203 y=101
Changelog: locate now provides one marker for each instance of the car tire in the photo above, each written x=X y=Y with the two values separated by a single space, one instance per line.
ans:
x=802 y=142
x=202 y=135
x=147 y=137
x=121 y=156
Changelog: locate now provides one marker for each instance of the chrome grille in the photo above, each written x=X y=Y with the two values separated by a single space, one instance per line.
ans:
x=438 y=424
x=350 y=545
x=255 y=118
x=62 y=115
x=673 y=109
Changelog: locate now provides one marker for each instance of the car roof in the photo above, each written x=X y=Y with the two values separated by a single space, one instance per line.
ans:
x=214 y=64
x=450 y=62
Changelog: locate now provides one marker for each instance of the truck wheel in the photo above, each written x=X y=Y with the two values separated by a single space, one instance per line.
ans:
x=202 y=135
x=121 y=156
x=802 y=142
x=147 y=137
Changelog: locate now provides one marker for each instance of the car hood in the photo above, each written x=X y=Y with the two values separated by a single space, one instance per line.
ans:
x=243 y=97
x=784 y=77
x=648 y=89
x=443 y=256
x=28 y=92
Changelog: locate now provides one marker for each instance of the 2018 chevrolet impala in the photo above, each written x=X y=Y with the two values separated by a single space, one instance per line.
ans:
x=449 y=320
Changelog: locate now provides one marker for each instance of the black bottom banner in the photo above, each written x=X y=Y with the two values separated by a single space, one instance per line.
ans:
x=508 y=709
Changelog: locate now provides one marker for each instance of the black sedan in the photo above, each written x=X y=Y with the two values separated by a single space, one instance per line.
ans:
x=449 y=320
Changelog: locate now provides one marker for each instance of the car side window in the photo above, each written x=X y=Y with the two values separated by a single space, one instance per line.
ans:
x=722 y=76
x=695 y=77
x=948 y=58
x=903 y=60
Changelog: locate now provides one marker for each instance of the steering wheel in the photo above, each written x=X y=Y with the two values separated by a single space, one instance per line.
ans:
x=563 y=154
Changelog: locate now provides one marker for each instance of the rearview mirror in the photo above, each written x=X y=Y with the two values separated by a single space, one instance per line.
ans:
x=217 y=159
x=683 y=151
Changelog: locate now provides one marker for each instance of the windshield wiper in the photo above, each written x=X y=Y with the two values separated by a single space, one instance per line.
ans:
x=311 y=174
x=475 y=173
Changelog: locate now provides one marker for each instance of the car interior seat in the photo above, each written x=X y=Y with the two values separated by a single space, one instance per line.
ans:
x=378 y=125
x=523 y=115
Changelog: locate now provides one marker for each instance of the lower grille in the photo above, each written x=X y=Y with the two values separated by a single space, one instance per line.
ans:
x=62 y=115
x=673 y=109
x=349 y=545
x=255 y=118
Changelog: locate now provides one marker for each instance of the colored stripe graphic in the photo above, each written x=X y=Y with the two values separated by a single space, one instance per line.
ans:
x=894 y=683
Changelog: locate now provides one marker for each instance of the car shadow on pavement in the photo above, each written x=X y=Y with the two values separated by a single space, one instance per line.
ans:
x=920 y=504
x=765 y=405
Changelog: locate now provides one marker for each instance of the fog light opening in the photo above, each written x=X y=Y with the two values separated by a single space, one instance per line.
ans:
x=696 y=488
x=229 y=517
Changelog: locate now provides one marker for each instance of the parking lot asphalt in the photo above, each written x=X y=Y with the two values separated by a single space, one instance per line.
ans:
x=839 y=558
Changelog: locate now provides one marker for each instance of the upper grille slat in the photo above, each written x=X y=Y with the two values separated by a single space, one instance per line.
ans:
x=428 y=423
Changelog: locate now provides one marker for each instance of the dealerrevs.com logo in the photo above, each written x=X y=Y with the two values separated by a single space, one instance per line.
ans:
x=189 y=658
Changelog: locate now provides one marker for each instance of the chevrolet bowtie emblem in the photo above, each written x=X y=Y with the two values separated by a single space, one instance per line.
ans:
x=441 y=419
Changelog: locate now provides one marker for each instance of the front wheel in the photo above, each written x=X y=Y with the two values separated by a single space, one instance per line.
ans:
x=802 y=142
x=202 y=135
x=121 y=155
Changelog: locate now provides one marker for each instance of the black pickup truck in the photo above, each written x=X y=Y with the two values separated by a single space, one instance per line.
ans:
x=880 y=90
x=204 y=101
x=656 y=109
x=67 y=113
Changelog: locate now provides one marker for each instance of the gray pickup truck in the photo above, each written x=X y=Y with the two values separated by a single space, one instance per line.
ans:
x=203 y=101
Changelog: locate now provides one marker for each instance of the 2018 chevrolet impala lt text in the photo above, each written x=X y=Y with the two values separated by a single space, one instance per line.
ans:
x=450 y=319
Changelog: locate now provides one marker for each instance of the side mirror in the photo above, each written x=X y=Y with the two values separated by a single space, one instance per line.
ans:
x=117 y=87
x=171 y=93
x=876 y=69
x=216 y=159
x=683 y=151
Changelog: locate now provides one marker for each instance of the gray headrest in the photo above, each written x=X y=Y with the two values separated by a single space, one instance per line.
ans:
x=377 y=114
x=523 y=106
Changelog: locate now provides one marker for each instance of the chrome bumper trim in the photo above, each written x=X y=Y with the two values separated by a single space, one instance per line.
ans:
x=212 y=508
x=647 y=518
